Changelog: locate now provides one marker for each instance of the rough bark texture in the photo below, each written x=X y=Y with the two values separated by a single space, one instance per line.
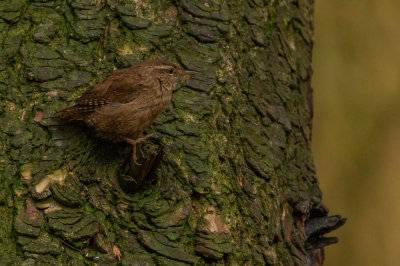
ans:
x=236 y=182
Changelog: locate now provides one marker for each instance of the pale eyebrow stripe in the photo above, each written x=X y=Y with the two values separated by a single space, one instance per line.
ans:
x=163 y=67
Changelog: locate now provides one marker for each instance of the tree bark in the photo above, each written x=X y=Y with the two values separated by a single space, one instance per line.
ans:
x=231 y=180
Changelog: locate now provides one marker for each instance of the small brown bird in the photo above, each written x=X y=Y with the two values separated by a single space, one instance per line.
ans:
x=126 y=103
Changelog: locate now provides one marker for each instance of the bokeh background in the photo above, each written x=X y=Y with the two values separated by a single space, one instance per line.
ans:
x=356 y=134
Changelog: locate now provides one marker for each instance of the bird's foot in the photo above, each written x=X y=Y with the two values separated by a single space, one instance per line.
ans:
x=135 y=142
x=152 y=135
x=116 y=252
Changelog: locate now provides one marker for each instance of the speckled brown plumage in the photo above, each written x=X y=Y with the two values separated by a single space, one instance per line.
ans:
x=126 y=103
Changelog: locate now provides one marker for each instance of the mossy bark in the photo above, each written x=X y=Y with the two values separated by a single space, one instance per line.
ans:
x=236 y=180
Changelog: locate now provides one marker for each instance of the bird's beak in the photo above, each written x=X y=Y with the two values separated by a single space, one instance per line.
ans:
x=190 y=72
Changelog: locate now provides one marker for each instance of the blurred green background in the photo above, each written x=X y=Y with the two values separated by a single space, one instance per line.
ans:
x=356 y=135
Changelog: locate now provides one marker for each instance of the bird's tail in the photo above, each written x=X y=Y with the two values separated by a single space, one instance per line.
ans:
x=71 y=113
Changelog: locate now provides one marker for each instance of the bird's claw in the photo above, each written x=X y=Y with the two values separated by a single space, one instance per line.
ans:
x=134 y=156
x=134 y=143
x=152 y=135
x=116 y=252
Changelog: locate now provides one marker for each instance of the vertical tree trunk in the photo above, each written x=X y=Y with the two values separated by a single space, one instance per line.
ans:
x=235 y=182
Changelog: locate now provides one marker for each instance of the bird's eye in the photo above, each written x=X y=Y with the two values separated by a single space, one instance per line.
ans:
x=170 y=70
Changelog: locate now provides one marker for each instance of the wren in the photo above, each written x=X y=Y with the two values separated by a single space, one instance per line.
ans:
x=126 y=103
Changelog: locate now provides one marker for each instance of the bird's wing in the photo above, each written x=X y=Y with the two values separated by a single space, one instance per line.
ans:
x=120 y=87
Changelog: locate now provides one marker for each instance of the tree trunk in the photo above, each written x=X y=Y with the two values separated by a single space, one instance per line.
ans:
x=231 y=179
